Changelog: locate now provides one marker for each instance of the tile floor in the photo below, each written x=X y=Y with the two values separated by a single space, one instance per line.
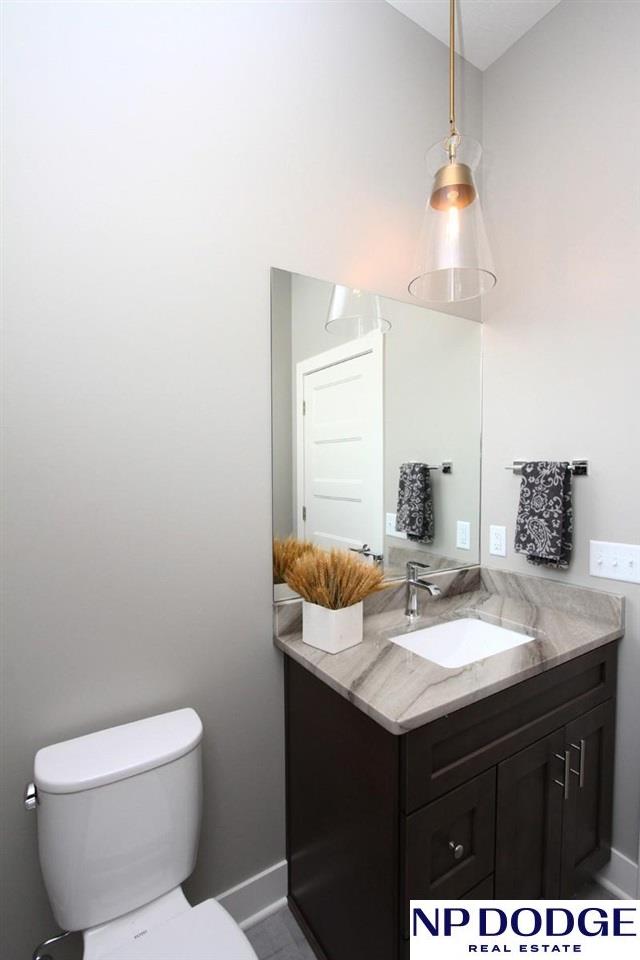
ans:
x=279 y=937
x=591 y=891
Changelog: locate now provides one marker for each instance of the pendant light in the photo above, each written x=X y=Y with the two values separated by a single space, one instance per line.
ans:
x=354 y=313
x=453 y=260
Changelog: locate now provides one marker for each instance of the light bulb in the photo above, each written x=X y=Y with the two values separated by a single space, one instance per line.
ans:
x=453 y=225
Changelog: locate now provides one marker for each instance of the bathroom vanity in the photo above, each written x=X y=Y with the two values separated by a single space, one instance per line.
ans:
x=455 y=762
x=406 y=779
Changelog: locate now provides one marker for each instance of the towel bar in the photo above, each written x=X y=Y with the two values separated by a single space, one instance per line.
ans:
x=579 y=468
x=446 y=466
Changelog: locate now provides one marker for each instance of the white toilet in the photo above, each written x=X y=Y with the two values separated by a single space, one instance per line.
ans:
x=118 y=825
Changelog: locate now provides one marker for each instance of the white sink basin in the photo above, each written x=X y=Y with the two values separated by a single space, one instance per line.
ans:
x=459 y=642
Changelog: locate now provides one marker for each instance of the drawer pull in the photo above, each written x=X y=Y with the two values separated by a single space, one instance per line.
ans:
x=457 y=850
x=566 y=786
x=582 y=750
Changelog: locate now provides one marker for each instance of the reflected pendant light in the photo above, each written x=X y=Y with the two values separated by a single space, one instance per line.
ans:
x=354 y=313
x=453 y=260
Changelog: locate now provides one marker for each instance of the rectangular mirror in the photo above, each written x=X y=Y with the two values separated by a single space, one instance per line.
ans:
x=374 y=399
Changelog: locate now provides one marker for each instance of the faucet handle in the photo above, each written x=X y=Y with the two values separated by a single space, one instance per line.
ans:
x=363 y=550
x=413 y=566
x=366 y=551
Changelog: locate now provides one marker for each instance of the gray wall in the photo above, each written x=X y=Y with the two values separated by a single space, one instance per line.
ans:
x=433 y=398
x=160 y=157
x=562 y=337
x=282 y=422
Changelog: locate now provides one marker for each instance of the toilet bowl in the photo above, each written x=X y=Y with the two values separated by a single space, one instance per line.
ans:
x=204 y=932
x=118 y=825
x=169 y=929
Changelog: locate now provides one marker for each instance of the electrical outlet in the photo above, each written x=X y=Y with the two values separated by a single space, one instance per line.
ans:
x=497 y=541
x=390 y=527
x=463 y=535
x=614 y=561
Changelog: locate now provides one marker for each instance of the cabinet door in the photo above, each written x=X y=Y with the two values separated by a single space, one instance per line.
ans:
x=450 y=843
x=586 y=841
x=483 y=891
x=529 y=821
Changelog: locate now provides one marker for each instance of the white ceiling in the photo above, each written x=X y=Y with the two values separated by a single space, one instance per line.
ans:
x=485 y=28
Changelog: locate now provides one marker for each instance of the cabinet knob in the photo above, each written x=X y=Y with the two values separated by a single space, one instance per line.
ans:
x=457 y=849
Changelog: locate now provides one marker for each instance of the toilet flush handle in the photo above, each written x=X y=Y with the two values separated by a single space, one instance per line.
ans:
x=30 y=797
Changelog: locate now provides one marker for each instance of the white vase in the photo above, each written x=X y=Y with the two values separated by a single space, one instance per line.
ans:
x=331 y=630
x=282 y=591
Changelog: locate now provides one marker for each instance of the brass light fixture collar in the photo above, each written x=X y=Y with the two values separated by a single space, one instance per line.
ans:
x=453 y=187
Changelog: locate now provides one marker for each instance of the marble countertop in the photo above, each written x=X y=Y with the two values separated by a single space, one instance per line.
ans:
x=402 y=691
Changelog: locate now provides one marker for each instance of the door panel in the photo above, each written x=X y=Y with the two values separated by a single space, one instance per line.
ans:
x=483 y=891
x=529 y=822
x=341 y=437
x=587 y=831
x=450 y=842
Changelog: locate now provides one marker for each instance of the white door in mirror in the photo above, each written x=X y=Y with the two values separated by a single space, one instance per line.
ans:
x=340 y=438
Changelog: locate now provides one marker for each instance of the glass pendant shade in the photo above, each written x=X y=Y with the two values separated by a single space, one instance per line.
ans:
x=453 y=260
x=354 y=313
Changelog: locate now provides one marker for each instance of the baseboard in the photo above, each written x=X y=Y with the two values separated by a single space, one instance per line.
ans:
x=263 y=894
x=620 y=877
x=258 y=896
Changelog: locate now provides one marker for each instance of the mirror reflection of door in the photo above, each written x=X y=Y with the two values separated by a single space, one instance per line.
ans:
x=333 y=462
x=339 y=412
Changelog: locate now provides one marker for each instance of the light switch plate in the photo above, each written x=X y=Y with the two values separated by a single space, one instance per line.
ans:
x=497 y=541
x=390 y=527
x=463 y=535
x=614 y=561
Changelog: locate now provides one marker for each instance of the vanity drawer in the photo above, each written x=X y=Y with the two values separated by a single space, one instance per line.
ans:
x=445 y=753
x=449 y=844
x=482 y=891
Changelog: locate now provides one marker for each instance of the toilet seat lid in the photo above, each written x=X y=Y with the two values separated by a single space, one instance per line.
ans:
x=205 y=932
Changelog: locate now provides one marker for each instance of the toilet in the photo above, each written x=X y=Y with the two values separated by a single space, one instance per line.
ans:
x=118 y=824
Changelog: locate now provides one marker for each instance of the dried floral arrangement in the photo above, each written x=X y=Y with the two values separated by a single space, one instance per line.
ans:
x=333 y=579
x=285 y=554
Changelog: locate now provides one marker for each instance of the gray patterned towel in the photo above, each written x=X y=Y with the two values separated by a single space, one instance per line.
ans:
x=544 y=526
x=415 y=505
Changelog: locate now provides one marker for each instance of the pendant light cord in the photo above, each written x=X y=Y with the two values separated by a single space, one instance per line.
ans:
x=452 y=71
x=454 y=138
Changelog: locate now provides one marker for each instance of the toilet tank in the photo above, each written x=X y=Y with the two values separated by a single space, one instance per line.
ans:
x=119 y=816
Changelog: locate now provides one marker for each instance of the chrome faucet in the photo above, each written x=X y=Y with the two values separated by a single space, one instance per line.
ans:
x=414 y=584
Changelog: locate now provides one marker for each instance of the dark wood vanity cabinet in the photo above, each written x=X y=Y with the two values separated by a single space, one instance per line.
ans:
x=507 y=798
x=529 y=808
x=586 y=836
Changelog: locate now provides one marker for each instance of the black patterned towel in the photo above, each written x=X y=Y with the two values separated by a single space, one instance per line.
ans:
x=544 y=526
x=415 y=504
